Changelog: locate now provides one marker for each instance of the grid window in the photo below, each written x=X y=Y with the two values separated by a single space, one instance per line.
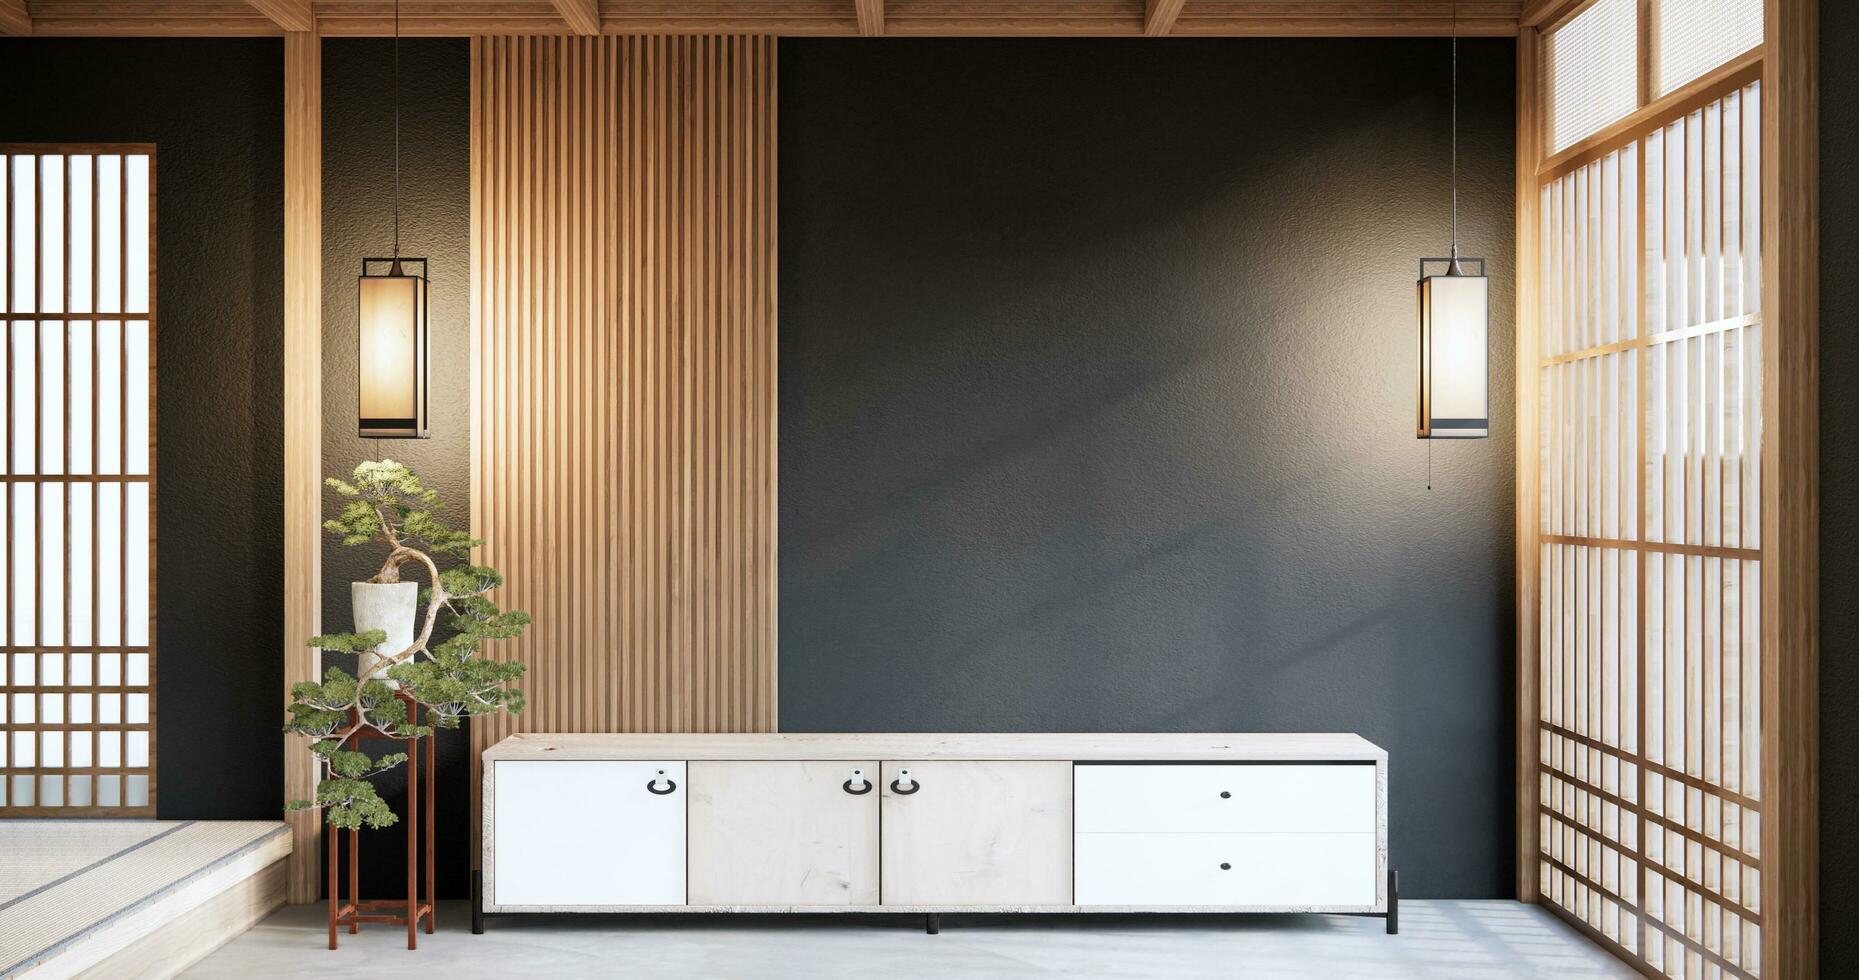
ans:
x=1593 y=71
x=76 y=524
x=1692 y=37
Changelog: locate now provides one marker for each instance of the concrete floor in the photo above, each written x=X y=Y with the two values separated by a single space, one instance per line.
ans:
x=1438 y=940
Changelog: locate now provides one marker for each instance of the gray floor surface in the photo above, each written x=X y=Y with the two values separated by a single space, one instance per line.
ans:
x=1438 y=940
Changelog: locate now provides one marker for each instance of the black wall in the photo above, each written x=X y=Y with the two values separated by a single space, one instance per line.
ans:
x=1097 y=395
x=435 y=223
x=1839 y=478
x=214 y=110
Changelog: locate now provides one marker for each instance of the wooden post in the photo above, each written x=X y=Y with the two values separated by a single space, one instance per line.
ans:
x=303 y=422
x=1791 y=479
x=1529 y=373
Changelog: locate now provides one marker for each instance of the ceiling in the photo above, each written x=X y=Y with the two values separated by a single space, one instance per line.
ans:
x=916 y=18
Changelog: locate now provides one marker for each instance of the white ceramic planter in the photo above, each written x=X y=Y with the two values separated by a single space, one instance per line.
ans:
x=389 y=606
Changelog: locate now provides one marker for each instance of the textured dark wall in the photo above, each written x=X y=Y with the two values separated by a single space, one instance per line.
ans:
x=435 y=223
x=213 y=109
x=1839 y=480
x=1097 y=374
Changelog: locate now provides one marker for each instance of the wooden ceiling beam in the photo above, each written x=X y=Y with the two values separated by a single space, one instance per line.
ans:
x=583 y=16
x=291 y=15
x=14 y=18
x=870 y=17
x=1159 y=16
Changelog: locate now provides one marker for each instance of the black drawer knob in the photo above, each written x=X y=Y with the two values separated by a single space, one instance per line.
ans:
x=1225 y=795
x=1225 y=866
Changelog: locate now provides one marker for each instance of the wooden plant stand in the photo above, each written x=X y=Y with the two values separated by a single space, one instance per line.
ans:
x=414 y=908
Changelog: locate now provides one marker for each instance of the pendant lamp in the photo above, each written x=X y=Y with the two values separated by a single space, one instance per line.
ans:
x=1455 y=322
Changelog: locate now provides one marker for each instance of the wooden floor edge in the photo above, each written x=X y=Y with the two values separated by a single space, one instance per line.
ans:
x=196 y=933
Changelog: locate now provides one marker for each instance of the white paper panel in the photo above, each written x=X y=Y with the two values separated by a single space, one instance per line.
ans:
x=109 y=565
x=24 y=390
x=1593 y=71
x=52 y=566
x=83 y=587
x=81 y=338
x=109 y=233
x=136 y=245
x=25 y=197
x=83 y=240
x=136 y=578
x=25 y=524
x=137 y=394
x=51 y=234
x=109 y=353
x=51 y=397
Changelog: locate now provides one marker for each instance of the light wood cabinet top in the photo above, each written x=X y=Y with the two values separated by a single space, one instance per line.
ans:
x=1003 y=746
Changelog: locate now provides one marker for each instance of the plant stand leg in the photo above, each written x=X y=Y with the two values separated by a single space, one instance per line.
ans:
x=355 y=878
x=1394 y=903
x=932 y=923
x=331 y=840
x=413 y=846
x=432 y=766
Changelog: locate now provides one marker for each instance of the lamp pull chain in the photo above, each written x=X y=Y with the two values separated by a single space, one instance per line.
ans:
x=1455 y=136
x=397 y=137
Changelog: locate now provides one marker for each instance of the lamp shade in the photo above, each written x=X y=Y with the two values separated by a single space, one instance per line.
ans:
x=392 y=349
x=1454 y=325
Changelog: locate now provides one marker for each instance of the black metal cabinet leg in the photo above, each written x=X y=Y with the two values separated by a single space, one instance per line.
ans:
x=477 y=903
x=1394 y=903
x=932 y=923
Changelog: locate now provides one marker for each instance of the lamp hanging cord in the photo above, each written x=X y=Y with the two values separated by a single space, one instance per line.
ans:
x=397 y=137
x=1455 y=136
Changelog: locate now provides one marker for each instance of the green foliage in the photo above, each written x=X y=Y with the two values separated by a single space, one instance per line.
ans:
x=389 y=504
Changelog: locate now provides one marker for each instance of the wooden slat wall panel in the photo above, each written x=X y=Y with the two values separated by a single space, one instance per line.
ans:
x=1649 y=778
x=623 y=399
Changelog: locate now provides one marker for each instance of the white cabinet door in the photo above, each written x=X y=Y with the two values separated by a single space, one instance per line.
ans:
x=784 y=833
x=1282 y=872
x=1232 y=798
x=580 y=834
x=977 y=833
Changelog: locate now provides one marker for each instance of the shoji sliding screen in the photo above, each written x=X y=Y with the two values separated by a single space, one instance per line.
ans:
x=77 y=672
x=1647 y=531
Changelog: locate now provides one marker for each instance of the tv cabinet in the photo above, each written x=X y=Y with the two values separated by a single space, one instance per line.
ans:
x=935 y=823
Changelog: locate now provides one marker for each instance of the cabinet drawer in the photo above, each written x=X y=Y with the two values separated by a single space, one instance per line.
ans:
x=1236 y=798
x=1262 y=870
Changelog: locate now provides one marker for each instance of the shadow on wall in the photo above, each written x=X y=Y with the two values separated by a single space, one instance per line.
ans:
x=1097 y=406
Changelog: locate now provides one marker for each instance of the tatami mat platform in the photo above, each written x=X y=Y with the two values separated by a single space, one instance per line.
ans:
x=131 y=897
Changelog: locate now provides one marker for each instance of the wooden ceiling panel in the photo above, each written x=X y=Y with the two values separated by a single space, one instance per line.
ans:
x=920 y=18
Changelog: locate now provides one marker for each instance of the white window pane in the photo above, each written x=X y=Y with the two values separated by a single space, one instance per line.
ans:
x=109 y=670
x=109 y=396
x=25 y=193
x=52 y=789
x=52 y=565
x=82 y=572
x=51 y=709
x=136 y=709
x=80 y=744
x=135 y=790
x=80 y=785
x=25 y=669
x=109 y=565
x=51 y=397
x=135 y=580
x=52 y=750
x=24 y=753
x=25 y=709
x=6 y=232
x=110 y=709
x=25 y=521
x=1593 y=71
x=109 y=233
x=51 y=234
x=80 y=715
x=81 y=341
x=80 y=669
x=82 y=261
x=135 y=251
x=25 y=391
x=109 y=790
x=1693 y=37
x=137 y=393
x=110 y=750
x=135 y=669
x=52 y=669
x=137 y=750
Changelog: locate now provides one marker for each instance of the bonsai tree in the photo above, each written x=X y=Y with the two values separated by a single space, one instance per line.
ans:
x=388 y=505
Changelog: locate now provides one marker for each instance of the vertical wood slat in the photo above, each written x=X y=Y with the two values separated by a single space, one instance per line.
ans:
x=623 y=376
x=303 y=425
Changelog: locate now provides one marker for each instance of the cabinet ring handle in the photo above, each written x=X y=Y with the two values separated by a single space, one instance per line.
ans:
x=671 y=786
x=866 y=784
x=900 y=791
